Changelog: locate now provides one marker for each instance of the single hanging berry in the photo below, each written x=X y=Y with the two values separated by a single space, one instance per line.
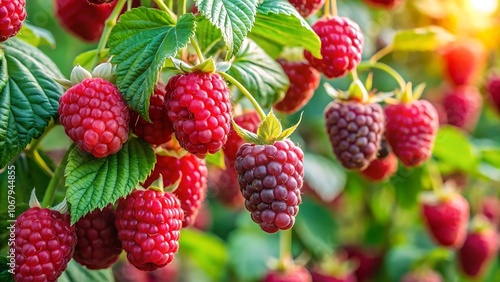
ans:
x=354 y=124
x=199 y=106
x=250 y=121
x=384 y=4
x=422 y=275
x=12 y=15
x=463 y=60
x=445 y=214
x=160 y=129
x=383 y=167
x=307 y=8
x=493 y=87
x=411 y=127
x=293 y=274
x=341 y=46
x=44 y=242
x=94 y=114
x=480 y=248
x=463 y=106
x=304 y=80
x=98 y=246
x=149 y=224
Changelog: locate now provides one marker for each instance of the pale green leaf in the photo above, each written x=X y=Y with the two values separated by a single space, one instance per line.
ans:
x=86 y=59
x=36 y=36
x=422 y=39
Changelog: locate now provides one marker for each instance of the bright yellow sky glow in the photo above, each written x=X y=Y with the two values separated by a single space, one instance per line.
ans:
x=484 y=6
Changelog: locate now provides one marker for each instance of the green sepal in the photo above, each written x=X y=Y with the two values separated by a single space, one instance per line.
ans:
x=208 y=66
x=181 y=65
x=289 y=131
x=269 y=129
x=247 y=135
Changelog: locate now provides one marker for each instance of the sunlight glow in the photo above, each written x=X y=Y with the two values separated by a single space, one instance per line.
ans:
x=484 y=6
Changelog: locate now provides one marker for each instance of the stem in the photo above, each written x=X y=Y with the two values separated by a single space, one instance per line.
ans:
x=327 y=9
x=246 y=93
x=434 y=175
x=108 y=26
x=381 y=53
x=354 y=75
x=43 y=165
x=50 y=193
x=285 y=247
x=390 y=71
x=170 y=4
x=165 y=8
x=181 y=7
x=36 y=142
x=197 y=49
x=334 y=11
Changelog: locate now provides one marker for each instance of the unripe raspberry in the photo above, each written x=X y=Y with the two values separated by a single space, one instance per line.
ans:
x=12 y=15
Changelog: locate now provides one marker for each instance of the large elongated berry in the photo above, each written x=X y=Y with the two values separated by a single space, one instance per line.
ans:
x=12 y=15
x=192 y=187
x=341 y=46
x=355 y=130
x=446 y=217
x=410 y=130
x=249 y=120
x=160 y=129
x=307 y=8
x=149 y=224
x=97 y=246
x=199 y=106
x=463 y=106
x=270 y=178
x=478 y=251
x=304 y=79
x=95 y=116
x=44 y=244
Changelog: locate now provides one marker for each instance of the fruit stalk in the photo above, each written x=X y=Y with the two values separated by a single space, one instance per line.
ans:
x=434 y=175
x=181 y=7
x=48 y=197
x=165 y=8
x=246 y=93
x=43 y=165
x=285 y=248
x=197 y=49
x=386 y=68
x=381 y=53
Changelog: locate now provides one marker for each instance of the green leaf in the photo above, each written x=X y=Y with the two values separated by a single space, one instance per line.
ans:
x=6 y=270
x=216 y=159
x=270 y=128
x=234 y=18
x=408 y=183
x=29 y=96
x=453 y=148
x=324 y=176
x=422 y=39
x=86 y=59
x=206 y=250
x=76 y=273
x=94 y=183
x=260 y=74
x=400 y=259
x=141 y=42
x=279 y=24
x=209 y=37
x=36 y=36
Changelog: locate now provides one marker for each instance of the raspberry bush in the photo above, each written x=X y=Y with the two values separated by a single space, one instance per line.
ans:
x=249 y=140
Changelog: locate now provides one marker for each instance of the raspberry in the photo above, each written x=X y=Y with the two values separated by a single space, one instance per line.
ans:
x=12 y=15
x=341 y=46
x=97 y=246
x=249 y=120
x=381 y=169
x=369 y=261
x=225 y=185
x=95 y=116
x=462 y=61
x=384 y=4
x=199 y=106
x=270 y=178
x=318 y=276
x=355 y=130
x=296 y=274
x=307 y=8
x=160 y=130
x=149 y=224
x=493 y=87
x=44 y=244
x=304 y=79
x=479 y=249
x=463 y=106
x=490 y=208
x=422 y=275
x=446 y=217
x=100 y=2
x=410 y=130
x=192 y=186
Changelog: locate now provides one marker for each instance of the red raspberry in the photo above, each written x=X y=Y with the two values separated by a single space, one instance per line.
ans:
x=493 y=87
x=410 y=130
x=160 y=130
x=97 y=246
x=250 y=121
x=355 y=130
x=490 y=208
x=270 y=178
x=225 y=185
x=95 y=116
x=149 y=224
x=478 y=251
x=422 y=275
x=462 y=61
x=446 y=217
x=199 y=106
x=384 y=4
x=100 y=2
x=341 y=46
x=304 y=79
x=44 y=244
x=192 y=186
x=369 y=261
x=296 y=274
x=463 y=106
x=323 y=277
x=12 y=15
x=307 y=8
x=381 y=169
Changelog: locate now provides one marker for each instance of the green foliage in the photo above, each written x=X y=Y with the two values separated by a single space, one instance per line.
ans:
x=94 y=183
x=86 y=59
x=216 y=159
x=76 y=273
x=29 y=96
x=5 y=275
x=421 y=39
x=324 y=176
x=36 y=36
x=155 y=37
x=449 y=141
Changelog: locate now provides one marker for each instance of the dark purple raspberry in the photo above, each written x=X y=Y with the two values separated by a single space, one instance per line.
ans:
x=98 y=246
x=199 y=106
x=355 y=130
x=341 y=46
x=270 y=178
x=12 y=15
